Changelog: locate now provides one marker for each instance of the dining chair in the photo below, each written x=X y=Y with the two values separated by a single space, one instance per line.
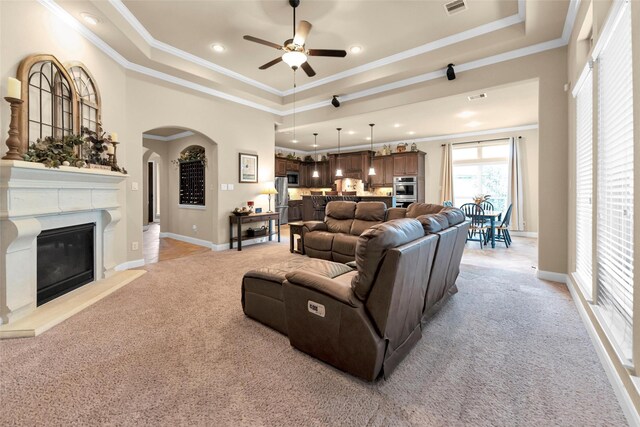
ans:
x=478 y=226
x=487 y=205
x=502 y=231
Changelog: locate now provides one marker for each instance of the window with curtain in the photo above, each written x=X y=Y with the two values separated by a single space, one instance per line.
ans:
x=584 y=183
x=481 y=168
x=614 y=228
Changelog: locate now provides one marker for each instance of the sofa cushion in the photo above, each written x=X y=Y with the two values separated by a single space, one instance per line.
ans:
x=416 y=209
x=430 y=223
x=455 y=216
x=367 y=215
x=372 y=246
x=319 y=240
x=341 y=210
x=345 y=244
x=396 y=213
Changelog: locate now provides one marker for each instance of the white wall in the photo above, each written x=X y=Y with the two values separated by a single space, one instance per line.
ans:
x=133 y=104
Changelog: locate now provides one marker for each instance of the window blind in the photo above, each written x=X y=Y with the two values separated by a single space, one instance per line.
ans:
x=614 y=229
x=584 y=183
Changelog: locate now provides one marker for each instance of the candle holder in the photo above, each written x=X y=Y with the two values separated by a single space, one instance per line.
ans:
x=114 y=159
x=111 y=160
x=13 y=142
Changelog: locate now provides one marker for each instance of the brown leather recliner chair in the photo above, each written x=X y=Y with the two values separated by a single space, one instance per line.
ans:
x=335 y=238
x=451 y=227
x=366 y=321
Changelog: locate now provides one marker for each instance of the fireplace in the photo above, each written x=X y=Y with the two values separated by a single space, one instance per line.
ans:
x=65 y=260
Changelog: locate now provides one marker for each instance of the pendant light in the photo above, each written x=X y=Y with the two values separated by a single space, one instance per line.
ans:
x=339 y=169
x=315 y=158
x=372 y=170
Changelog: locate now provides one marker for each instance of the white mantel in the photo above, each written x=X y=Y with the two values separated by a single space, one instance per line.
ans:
x=35 y=198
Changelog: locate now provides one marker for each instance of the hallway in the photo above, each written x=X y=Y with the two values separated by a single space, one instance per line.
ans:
x=156 y=249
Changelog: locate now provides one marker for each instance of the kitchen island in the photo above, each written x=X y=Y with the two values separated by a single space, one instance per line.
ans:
x=308 y=210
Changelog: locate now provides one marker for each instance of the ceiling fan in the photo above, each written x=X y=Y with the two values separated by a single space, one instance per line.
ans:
x=295 y=52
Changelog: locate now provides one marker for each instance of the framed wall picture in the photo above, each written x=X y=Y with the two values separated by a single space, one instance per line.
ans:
x=248 y=167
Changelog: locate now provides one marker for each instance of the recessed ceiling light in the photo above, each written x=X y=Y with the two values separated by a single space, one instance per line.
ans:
x=473 y=124
x=411 y=132
x=295 y=141
x=368 y=138
x=355 y=49
x=466 y=114
x=89 y=18
x=396 y=125
x=314 y=145
x=217 y=47
x=351 y=132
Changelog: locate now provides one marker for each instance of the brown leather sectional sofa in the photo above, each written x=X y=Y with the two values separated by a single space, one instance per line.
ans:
x=363 y=320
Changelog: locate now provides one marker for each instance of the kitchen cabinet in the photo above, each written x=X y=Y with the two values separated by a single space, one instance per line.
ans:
x=281 y=167
x=384 y=171
x=293 y=166
x=295 y=210
x=408 y=164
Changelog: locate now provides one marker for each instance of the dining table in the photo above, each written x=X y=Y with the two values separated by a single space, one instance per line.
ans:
x=492 y=217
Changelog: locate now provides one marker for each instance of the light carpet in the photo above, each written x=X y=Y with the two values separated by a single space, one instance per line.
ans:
x=174 y=348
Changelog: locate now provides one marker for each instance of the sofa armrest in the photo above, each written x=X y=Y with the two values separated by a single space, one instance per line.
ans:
x=333 y=288
x=310 y=226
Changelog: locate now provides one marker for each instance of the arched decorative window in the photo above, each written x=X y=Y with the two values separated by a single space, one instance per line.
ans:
x=192 y=163
x=49 y=99
x=88 y=96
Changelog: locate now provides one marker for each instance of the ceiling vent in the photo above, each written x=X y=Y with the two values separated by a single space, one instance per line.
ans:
x=455 y=6
x=478 y=96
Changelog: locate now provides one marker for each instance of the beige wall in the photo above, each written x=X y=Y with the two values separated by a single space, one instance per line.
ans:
x=133 y=104
x=529 y=151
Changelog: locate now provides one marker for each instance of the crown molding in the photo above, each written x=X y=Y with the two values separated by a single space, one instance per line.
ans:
x=167 y=48
x=448 y=137
x=118 y=58
x=180 y=135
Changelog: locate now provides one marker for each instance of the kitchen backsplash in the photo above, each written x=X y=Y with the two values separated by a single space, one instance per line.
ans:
x=345 y=185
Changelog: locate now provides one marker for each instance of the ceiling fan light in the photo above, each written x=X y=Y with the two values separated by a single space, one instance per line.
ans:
x=372 y=171
x=294 y=59
x=339 y=172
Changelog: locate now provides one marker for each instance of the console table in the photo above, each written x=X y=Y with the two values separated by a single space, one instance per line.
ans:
x=247 y=219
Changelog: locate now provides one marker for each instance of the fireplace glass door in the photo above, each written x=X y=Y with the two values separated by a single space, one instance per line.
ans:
x=65 y=260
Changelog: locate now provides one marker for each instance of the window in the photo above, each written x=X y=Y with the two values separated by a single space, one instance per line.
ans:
x=481 y=169
x=192 y=181
x=615 y=175
x=88 y=97
x=584 y=183
x=50 y=101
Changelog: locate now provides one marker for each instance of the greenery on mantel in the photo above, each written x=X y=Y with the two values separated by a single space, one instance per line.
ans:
x=72 y=150
x=190 y=155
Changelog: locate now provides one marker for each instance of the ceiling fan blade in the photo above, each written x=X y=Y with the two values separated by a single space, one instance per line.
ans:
x=264 y=42
x=271 y=63
x=307 y=69
x=328 y=52
x=301 y=33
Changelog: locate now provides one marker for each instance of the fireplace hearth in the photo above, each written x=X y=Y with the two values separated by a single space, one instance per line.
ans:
x=65 y=260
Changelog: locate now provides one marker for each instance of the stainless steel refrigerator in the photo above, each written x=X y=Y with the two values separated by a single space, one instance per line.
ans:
x=282 y=199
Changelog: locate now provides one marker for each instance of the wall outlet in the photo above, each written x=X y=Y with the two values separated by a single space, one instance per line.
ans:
x=230 y=186
x=134 y=186
x=194 y=227
x=134 y=246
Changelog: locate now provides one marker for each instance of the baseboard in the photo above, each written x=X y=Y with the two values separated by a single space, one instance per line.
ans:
x=552 y=276
x=187 y=239
x=532 y=234
x=129 y=265
x=225 y=246
x=626 y=404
